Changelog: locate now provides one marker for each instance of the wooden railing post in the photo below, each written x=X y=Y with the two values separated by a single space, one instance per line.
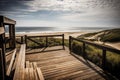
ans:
x=83 y=50
x=63 y=41
x=70 y=42
x=2 y=46
x=12 y=42
x=26 y=41
x=2 y=74
x=104 y=59
x=22 y=39
x=46 y=41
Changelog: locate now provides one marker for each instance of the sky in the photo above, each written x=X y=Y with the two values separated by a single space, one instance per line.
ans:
x=62 y=13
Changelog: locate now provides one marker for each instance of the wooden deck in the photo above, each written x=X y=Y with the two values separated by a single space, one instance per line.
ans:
x=58 y=64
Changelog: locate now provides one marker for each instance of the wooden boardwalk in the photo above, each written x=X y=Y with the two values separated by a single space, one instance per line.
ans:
x=58 y=64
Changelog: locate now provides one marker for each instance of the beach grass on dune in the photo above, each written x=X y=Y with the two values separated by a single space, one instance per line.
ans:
x=112 y=35
x=95 y=55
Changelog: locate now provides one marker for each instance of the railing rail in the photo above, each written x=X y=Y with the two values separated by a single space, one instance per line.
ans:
x=104 y=48
x=11 y=63
x=20 y=65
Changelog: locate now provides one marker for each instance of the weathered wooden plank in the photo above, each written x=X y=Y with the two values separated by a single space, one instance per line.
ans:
x=45 y=36
x=2 y=46
x=56 y=60
x=30 y=65
x=6 y=20
x=2 y=76
x=27 y=64
x=26 y=74
x=31 y=72
x=36 y=76
x=19 y=71
x=34 y=65
x=76 y=74
x=40 y=75
x=2 y=30
x=60 y=65
x=11 y=63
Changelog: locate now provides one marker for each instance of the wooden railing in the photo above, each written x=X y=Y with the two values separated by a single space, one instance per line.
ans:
x=104 y=49
x=43 y=36
x=26 y=71
x=11 y=63
x=20 y=65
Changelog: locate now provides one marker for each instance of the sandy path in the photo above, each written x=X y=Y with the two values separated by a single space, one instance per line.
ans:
x=115 y=45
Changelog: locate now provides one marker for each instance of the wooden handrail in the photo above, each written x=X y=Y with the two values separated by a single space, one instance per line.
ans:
x=45 y=36
x=20 y=65
x=11 y=63
x=104 y=48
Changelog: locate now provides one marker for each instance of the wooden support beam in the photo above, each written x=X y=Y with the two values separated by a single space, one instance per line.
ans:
x=63 y=41
x=83 y=50
x=11 y=63
x=26 y=41
x=2 y=46
x=46 y=41
x=2 y=30
x=2 y=75
x=104 y=59
x=70 y=44
x=6 y=20
x=22 y=39
x=12 y=36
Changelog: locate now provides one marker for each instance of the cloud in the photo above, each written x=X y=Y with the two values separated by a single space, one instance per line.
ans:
x=62 y=12
x=57 y=5
x=72 y=5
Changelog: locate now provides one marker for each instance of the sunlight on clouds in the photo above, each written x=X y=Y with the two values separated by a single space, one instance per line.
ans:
x=64 y=12
x=64 y=5
x=70 y=5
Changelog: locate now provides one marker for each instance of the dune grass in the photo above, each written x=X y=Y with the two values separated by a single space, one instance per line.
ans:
x=94 y=55
x=41 y=42
x=112 y=35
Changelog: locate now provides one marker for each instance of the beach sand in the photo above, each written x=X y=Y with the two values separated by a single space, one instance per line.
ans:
x=66 y=34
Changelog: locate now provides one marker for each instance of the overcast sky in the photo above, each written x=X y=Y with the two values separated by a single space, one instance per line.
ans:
x=63 y=13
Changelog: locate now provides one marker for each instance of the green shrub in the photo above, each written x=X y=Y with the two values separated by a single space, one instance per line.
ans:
x=77 y=47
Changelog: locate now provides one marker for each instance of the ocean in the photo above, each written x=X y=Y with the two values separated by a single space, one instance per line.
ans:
x=56 y=29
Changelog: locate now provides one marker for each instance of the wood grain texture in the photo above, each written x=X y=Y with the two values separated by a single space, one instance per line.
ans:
x=2 y=30
x=60 y=65
x=11 y=63
x=19 y=71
